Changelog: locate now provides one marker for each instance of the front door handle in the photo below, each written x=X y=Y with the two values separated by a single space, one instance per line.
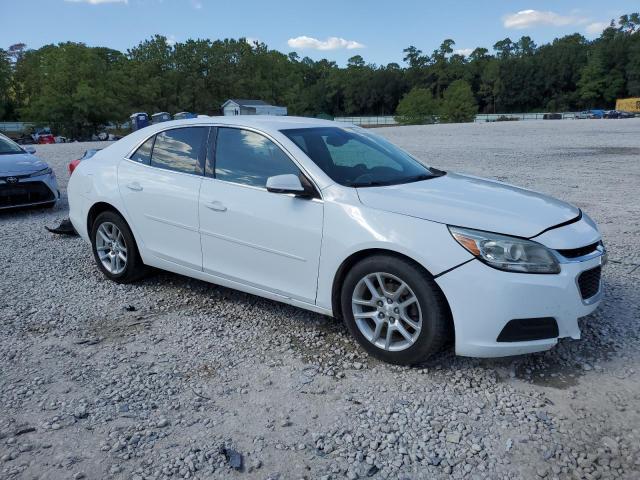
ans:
x=135 y=186
x=216 y=206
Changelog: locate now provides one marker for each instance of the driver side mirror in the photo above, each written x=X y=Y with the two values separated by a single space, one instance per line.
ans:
x=30 y=149
x=288 y=183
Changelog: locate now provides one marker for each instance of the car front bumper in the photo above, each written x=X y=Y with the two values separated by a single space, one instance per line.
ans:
x=24 y=191
x=483 y=300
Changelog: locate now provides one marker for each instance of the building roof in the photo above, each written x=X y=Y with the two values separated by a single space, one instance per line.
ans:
x=245 y=102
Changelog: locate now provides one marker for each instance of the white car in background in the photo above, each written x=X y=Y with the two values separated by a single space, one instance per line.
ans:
x=337 y=220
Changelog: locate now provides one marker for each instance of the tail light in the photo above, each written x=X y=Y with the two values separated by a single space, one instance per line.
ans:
x=72 y=165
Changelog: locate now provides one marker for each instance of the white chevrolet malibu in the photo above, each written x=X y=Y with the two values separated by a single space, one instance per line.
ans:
x=334 y=219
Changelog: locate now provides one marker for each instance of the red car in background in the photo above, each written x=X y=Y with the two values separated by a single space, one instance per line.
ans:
x=46 y=138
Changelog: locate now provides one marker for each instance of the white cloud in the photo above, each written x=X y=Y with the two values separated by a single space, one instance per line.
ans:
x=463 y=51
x=251 y=40
x=331 y=43
x=532 y=18
x=197 y=4
x=97 y=2
x=596 y=28
x=171 y=40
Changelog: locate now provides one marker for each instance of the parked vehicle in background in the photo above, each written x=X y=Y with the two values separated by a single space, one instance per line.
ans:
x=25 y=180
x=626 y=114
x=46 y=138
x=584 y=115
x=160 y=117
x=611 y=114
x=36 y=136
x=335 y=219
x=43 y=136
x=597 y=113
x=138 y=120
x=184 y=115
x=87 y=154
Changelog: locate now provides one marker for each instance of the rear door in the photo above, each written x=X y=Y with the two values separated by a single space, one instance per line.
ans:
x=160 y=184
x=263 y=239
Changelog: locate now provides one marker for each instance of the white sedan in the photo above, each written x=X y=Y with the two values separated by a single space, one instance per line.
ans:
x=334 y=219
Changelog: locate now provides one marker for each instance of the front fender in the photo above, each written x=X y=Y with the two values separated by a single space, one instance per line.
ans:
x=350 y=227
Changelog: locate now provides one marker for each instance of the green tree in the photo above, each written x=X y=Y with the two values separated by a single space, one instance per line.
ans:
x=5 y=83
x=593 y=81
x=417 y=107
x=633 y=67
x=458 y=103
x=71 y=86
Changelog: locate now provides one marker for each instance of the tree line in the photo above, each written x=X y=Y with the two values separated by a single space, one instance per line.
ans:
x=78 y=88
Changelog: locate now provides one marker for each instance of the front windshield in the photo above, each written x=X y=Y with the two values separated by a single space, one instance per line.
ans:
x=356 y=158
x=9 y=147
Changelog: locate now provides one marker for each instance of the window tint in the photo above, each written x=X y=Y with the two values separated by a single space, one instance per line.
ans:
x=143 y=153
x=179 y=149
x=249 y=158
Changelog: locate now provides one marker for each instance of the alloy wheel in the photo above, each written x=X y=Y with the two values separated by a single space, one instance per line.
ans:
x=111 y=248
x=386 y=311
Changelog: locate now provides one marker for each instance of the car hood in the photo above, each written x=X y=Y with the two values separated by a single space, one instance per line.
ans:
x=472 y=202
x=20 y=164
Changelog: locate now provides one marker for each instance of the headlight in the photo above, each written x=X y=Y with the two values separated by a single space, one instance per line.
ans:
x=44 y=171
x=507 y=253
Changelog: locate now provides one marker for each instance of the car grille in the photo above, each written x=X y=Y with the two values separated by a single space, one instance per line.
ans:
x=589 y=282
x=17 y=194
x=579 y=252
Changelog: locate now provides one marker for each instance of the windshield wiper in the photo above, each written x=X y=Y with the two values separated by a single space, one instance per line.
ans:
x=417 y=178
x=423 y=176
x=368 y=184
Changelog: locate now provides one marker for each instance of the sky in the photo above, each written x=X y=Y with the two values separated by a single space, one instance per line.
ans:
x=378 y=30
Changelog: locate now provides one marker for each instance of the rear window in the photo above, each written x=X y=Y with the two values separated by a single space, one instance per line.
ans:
x=143 y=153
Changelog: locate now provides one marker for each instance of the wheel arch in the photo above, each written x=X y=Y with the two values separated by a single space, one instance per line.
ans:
x=98 y=208
x=355 y=257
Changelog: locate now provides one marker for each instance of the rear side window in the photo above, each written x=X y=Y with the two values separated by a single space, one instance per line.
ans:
x=143 y=153
x=249 y=158
x=180 y=149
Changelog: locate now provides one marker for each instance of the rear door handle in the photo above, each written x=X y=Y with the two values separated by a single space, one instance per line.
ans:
x=135 y=186
x=216 y=206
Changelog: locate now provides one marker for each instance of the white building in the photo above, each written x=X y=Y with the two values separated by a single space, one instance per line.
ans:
x=237 y=106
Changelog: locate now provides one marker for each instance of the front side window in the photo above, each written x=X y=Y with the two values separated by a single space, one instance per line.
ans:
x=356 y=158
x=143 y=153
x=249 y=158
x=180 y=149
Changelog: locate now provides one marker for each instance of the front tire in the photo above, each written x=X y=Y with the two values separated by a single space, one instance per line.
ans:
x=115 y=249
x=395 y=310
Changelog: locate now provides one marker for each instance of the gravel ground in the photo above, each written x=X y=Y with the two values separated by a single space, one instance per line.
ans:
x=172 y=377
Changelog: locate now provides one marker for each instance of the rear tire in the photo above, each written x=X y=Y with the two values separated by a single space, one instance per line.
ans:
x=115 y=249
x=405 y=321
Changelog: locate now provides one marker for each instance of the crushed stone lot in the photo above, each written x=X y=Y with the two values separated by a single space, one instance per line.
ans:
x=175 y=378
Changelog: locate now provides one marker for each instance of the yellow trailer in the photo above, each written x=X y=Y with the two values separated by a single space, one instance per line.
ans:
x=628 y=104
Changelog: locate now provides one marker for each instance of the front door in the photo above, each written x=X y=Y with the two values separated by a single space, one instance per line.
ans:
x=263 y=239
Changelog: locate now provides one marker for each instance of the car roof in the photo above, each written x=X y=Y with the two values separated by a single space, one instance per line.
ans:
x=261 y=122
